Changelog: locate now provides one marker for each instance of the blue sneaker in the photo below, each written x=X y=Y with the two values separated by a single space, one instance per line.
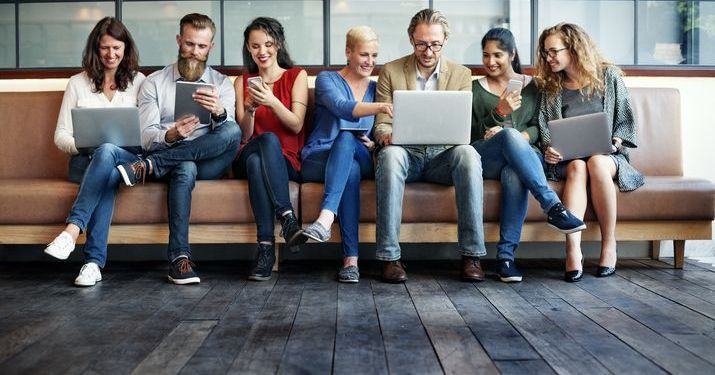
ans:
x=507 y=271
x=181 y=272
x=564 y=221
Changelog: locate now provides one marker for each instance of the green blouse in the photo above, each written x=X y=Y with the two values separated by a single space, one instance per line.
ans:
x=524 y=119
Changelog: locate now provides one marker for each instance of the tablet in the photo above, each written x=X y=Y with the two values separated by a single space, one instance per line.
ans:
x=184 y=105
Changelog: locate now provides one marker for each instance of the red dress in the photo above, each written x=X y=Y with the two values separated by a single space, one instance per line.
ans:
x=265 y=121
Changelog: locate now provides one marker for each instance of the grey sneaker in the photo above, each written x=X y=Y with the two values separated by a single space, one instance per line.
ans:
x=349 y=274
x=317 y=232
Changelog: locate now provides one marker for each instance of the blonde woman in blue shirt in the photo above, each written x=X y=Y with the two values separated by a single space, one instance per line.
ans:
x=341 y=158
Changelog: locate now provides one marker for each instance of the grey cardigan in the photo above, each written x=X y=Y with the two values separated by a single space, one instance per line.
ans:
x=617 y=105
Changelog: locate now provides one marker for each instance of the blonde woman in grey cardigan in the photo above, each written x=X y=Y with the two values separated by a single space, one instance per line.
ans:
x=576 y=80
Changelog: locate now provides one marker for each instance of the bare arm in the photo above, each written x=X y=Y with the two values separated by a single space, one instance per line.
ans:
x=291 y=118
x=245 y=110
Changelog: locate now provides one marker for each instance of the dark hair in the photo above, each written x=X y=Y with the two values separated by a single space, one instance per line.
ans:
x=275 y=30
x=505 y=42
x=197 y=21
x=92 y=63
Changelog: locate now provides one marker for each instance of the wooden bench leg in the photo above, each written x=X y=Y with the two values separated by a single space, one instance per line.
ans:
x=278 y=255
x=655 y=250
x=678 y=253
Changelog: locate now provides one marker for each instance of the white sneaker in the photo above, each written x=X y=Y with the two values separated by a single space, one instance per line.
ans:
x=61 y=246
x=88 y=275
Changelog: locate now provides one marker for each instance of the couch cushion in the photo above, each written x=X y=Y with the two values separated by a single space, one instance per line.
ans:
x=35 y=201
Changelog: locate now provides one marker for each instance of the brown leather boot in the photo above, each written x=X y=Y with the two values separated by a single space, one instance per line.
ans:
x=472 y=269
x=394 y=272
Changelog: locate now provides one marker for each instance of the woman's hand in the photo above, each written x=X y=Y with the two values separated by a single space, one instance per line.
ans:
x=262 y=95
x=491 y=132
x=508 y=103
x=617 y=144
x=551 y=156
x=366 y=141
x=385 y=108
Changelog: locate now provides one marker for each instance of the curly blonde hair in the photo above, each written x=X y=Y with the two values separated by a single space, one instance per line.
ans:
x=585 y=57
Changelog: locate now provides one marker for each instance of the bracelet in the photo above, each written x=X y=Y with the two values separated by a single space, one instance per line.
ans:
x=499 y=112
x=251 y=111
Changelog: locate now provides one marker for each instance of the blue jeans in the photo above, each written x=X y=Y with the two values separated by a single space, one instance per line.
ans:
x=93 y=207
x=342 y=167
x=459 y=166
x=204 y=158
x=508 y=157
x=261 y=161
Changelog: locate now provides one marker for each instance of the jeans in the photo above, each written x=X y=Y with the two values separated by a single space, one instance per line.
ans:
x=93 y=207
x=204 y=158
x=459 y=166
x=341 y=168
x=508 y=157
x=268 y=171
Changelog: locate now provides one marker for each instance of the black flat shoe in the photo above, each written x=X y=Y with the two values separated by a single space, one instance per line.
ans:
x=573 y=276
x=605 y=271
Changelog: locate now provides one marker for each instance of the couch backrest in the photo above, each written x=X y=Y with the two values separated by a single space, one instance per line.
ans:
x=28 y=119
x=659 y=151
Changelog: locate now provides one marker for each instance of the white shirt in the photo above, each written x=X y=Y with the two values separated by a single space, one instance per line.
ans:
x=429 y=84
x=79 y=94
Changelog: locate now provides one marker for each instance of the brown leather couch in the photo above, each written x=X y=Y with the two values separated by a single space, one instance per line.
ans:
x=35 y=196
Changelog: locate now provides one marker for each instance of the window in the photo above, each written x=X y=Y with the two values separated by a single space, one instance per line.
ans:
x=154 y=25
x=7 y=35
x=54 y=34
x=302 y=24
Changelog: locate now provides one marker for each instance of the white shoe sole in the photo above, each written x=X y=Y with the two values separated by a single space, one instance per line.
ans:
x=510 y=279
x=567 y=231
x=259 y=278
x=57 y=254
x=190 y=280
x=80 y=283
x=125 y=175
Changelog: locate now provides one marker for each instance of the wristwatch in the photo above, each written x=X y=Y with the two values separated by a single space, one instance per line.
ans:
x=220 y=118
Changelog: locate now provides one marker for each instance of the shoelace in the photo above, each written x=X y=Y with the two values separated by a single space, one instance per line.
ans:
x=264 y=259
x=140 y=170
x=185 y=265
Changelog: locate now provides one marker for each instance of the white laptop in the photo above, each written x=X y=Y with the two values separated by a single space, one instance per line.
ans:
x=116 y=125
x=581 y=136
x=431 y=117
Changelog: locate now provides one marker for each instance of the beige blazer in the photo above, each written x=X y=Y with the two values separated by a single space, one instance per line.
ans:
x=400 y=74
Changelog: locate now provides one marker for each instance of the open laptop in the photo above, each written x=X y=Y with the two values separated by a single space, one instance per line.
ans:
x=581 y=136
x=116 y=125
x=431 y=117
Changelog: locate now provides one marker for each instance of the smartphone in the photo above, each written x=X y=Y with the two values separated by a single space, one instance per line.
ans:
x=256 y=82
x=513 y=85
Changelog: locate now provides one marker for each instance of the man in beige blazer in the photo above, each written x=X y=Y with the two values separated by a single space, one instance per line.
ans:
x=426 y=69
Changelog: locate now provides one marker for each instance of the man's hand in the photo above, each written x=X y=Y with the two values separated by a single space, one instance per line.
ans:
x=182 y=129
x=384 y=139
x=208 y=98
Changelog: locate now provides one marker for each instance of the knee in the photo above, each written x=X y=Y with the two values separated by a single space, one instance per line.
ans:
x=345 y=138
x=467 y=157
x=269 y=141
x=512 y=138
x=598 y=164
x=231 y=131
x=253 y=164
x=184 y=172
x=576 y=169
x=392 y=157
x=105 y=151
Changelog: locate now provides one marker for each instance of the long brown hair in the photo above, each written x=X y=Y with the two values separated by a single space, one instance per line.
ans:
x=585 y=57
x=92 y=63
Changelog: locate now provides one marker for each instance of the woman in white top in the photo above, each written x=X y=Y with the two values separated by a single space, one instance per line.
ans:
x=109 y=79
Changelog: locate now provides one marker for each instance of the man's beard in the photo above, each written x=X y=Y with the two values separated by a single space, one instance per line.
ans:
x=191 y=69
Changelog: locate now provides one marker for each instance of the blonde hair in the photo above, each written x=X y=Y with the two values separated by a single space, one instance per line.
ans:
x=360 y=34
x=429 y=17
x=586 y=59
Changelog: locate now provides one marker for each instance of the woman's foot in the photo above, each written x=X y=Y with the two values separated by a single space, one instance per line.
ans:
x=607 y=263
x=574 y=266
x=317 y=232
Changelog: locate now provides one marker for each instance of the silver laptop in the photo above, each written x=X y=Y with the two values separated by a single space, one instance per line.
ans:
x=95 y=126
x=581 y=136
x=431 y=117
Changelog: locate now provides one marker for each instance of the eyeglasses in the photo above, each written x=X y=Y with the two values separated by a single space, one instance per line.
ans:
x=422 y=46
x=552 y=52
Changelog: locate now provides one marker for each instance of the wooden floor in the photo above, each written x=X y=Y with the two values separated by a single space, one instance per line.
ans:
x=649 y=319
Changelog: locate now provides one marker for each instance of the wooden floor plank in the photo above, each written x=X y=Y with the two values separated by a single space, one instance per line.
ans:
x=524 y=367
x=457 y=348
x=176 y=348
x=359 y=346
x=407 y=345
x=560 y=351
x=696 y=275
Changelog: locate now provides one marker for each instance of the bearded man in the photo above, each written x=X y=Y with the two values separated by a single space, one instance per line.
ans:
x=183 y=150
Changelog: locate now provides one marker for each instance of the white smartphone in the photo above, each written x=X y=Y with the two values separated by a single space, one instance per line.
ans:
x=256 y=82
x=513 y=85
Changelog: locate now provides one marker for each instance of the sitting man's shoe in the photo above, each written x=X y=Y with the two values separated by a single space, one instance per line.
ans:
x=507 y=271
x=394 y=272
x=349 y=274
x=291 y=231
x=134 y=172
x=61 y=246
x=562 y=220
x=472 y=269
x=602 y=271
x=317 y=232
x=263 y=265
x=88 y=275
x=181 y=272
